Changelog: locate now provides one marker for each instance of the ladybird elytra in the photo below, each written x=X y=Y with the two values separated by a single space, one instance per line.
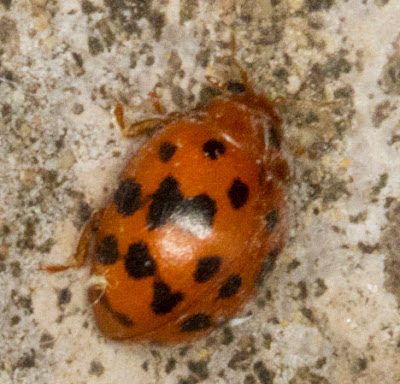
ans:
x=199 y=212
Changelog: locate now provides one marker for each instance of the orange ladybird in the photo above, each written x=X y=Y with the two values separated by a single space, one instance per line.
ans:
x=197 y=218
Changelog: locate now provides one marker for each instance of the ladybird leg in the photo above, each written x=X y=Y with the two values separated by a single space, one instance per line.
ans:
x=91 y=227
x=148 y=126
x=140 y=127
x=156 y=102
x=143 y=127
x=81 y=255
x=119 y=116
x=240 y=84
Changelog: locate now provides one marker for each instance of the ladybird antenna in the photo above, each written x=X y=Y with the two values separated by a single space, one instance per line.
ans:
x=235 y=62
x=118 y=112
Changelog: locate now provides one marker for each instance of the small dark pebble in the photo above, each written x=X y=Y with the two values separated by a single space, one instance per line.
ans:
x=249 y=379
x=199 y=368
x=362 y=364
x=264 y=375
x=16 y=269
x=46 y=340
x=171 y=364
x=320 y=362
x=77 y=108
x=27 y=360
x=64 y=297
x=15 y=320
x=96 y=368
x=293 y=265
x=227 y=336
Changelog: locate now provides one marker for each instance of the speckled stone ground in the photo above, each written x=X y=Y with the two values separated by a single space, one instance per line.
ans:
x=329 y=312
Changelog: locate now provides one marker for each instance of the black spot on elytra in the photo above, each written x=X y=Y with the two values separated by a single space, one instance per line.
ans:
x=206 y=268
x=165 y=201
x=166 y=151
x=235 y=87
x=107 y=252
x=238 y=193
x=272 y=219
x=197 y=322
x=230 y=287
x=96 y=295
x=267 y=266
x=123 y=319
x=193 y=214
x=214 y=149
x=164 y=301
x=138 y=261
x=127 y=197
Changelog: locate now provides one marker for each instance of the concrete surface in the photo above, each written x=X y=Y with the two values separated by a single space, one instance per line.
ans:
x=329 y=312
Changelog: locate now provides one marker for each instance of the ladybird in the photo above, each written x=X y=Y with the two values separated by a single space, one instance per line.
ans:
x=197 y=219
